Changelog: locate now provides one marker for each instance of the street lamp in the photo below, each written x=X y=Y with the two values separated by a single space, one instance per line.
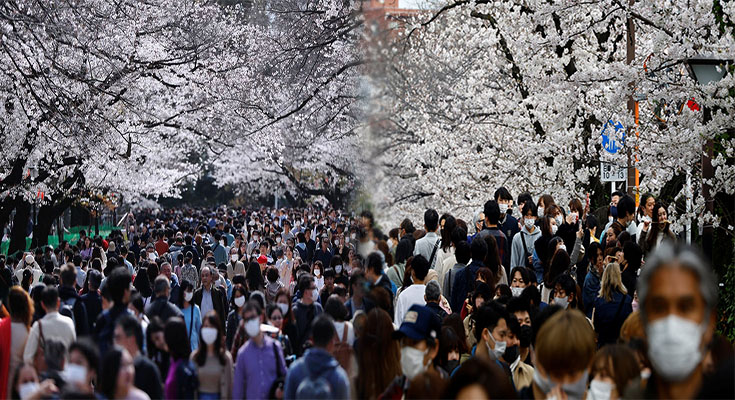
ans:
x=706 y=70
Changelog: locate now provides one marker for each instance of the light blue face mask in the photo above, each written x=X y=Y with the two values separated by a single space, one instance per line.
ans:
x=574 y=390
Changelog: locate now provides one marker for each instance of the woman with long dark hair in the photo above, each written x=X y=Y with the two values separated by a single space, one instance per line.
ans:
x=213 y=361
x=493 y=262
x=181 y=379
x=653 y=232
x=191 y=311
x=25 y=283
x=118 y=375
x=237 y=301
x=143 y=284
x=254 y=277
x=156 y=345
x=447 y=224
x=378 y=356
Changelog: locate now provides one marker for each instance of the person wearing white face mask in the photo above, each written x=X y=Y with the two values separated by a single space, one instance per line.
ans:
x=237 y=301
x=192 y=313
x=259 y=361
x=213 y=361
x=508 y=223
x=613 y=368
x=419 y=336
x=564 y=348
x=317 y=270
x=492 y=334
x=81 y=370
x=234 y=266
x=305 y=310
x=520 y=279
x=523 y=246
x=677 y=294
x=565 y=292
x=27 y=387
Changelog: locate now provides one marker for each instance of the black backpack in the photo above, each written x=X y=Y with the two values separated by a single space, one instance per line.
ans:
x=187 y=380
x=67 y=308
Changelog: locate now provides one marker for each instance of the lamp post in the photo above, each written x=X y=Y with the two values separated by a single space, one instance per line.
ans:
x=706 y=70
x=33 y=173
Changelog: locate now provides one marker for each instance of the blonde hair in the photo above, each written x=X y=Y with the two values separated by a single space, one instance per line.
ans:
x=611 y=280
x=565 y=343
x=632 y=327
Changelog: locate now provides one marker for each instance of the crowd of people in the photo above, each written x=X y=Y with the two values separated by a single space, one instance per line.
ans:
x=528 y=299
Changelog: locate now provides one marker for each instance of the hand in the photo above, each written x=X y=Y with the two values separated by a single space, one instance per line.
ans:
x=557 y=394
x=580 y=232
x=45 y=389
x=530 y=260
x=570 y=220
x=646 y=224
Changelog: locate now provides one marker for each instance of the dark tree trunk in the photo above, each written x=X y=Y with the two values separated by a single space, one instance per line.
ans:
x=6 y=207
x=48 y=214
x=20 y=224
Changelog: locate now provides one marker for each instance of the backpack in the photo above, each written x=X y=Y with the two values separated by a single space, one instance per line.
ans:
x=314 y=387
x=187 y=380
x=343 y=351
x=67 y=308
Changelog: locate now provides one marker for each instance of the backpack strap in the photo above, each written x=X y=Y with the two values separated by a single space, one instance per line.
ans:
x=397 y=271
x=433 y=253
x=344 y=333
x=279 y=374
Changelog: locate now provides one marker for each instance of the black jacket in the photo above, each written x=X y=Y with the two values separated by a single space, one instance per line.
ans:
x=69 y=296
x=219 y=302
x=164 y=309
x=147 y=377
x=105 y=327
x=93 y=304
x=304 y=316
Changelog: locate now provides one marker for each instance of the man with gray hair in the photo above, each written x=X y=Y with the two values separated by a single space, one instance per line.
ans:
x=161 y=307
x=677 y=292
x=432 y=295
x=54 y=353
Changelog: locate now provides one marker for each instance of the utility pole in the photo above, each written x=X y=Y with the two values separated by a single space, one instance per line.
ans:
x=633 y=178
x=707 y=174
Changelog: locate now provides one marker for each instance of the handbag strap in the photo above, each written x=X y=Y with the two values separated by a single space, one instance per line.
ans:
x=191 y=320
x=344 y=333
x=41 y=339
x=525 y=247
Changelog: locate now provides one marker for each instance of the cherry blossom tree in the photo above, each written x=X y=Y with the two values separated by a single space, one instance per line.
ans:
x=135 y=97
x=303 y=108
x=479 y=94
x=107 y=96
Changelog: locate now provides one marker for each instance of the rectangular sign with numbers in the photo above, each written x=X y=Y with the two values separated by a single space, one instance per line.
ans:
x=612 y=173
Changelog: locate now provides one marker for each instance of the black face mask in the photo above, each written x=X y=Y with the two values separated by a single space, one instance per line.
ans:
x=452 y=365
x=525 y=336
x=511 y=354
